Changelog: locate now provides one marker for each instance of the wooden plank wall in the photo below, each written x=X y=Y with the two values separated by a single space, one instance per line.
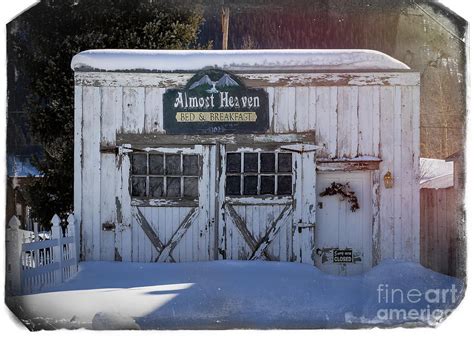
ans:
x=438 y=230
x=399 y=151
x=365 y=116
x=78 y=139
x=91 y=173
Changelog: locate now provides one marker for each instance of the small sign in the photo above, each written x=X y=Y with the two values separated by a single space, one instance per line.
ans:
x=215 y=102
x=342 y=256
x=216 y=117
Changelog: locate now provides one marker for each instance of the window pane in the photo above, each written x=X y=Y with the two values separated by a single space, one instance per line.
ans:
x=284 y=163
x=250 y=162
x=156 y=164
x=173 y=187
x=156 y=187
x=267 y=162
x=233 y=162
x=284 y=185
x=250 y=185
x=173 y=164
x=190 y=165
x=139 y=164
x=139 y=186
x=190 y=187
x=232 y=185
x=267 y=185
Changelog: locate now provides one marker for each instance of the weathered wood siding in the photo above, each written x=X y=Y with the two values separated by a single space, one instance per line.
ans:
x=399 y=151
x=438 y=233
x=91 y=163
x=352 y=115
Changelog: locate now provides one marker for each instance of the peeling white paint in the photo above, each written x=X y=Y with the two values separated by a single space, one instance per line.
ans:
x=341 y=122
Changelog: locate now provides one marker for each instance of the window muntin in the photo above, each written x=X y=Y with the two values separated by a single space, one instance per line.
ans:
x=156 y=164
x=160 y=175
x=259 y=173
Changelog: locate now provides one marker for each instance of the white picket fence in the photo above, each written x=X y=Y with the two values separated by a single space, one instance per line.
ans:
x=35 y=260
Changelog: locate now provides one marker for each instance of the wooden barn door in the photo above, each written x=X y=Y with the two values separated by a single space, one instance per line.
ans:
x=266 y=203
x=344 y=237
x=172 y=210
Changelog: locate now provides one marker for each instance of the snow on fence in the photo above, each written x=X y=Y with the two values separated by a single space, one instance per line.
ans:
x=36 y=261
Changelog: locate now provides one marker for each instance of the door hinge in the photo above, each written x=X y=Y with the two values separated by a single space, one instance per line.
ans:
x=124 y=149
x=301 y=148
x=305 y=225
x=117 y=150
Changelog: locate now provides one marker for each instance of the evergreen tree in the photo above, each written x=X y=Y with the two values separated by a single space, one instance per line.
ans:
x=46 y=37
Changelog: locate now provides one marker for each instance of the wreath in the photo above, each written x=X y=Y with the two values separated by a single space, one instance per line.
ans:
x=344 y=190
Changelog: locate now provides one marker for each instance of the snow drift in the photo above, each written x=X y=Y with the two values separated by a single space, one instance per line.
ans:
x=240 y=294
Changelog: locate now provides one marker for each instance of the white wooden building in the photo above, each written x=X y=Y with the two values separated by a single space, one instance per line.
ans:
x=237 y=170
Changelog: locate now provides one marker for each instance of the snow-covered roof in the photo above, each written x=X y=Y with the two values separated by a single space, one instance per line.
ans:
x=21 y=166
x=435 y=173
x=438 y=182
x=121 y=60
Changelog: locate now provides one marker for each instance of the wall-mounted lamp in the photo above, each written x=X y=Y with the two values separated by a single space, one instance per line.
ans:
x=388 y=180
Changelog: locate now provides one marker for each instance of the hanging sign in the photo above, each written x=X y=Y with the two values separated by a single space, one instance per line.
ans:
x=215 y=102
x=342 y=256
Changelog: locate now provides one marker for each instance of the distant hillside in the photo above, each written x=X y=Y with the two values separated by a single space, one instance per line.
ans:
x=423 y=34
x=305 y=24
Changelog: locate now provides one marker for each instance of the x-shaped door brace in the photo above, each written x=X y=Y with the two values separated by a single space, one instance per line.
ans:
x=164 y=250
x=258 y=247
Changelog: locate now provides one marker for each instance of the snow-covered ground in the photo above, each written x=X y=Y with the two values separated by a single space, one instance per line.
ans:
x=239 y=294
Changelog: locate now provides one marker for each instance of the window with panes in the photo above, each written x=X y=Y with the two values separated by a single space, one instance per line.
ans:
x=163 y=175
x=259 y=173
